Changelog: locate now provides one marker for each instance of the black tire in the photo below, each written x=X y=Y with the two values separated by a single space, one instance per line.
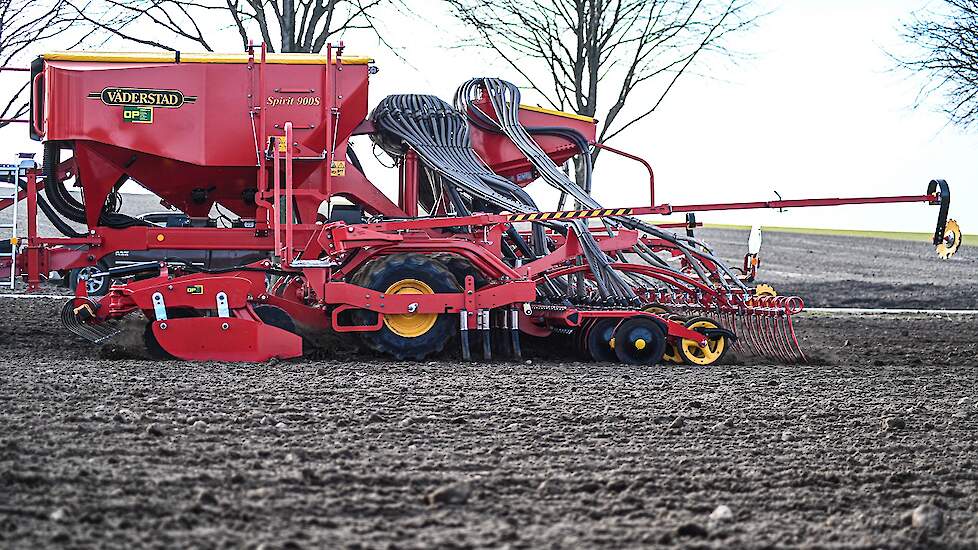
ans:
x=597 y=341
x=96 y=287
x=380 y=275
x=460 y=268
x=652 y=340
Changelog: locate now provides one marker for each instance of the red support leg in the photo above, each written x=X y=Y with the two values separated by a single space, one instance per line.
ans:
x=33 y=246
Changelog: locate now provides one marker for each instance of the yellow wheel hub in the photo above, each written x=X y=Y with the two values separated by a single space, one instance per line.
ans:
x=692 y=352
x=410 y=325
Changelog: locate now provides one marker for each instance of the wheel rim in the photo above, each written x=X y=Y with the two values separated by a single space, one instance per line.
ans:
x=714 y=349
x=93 y=285
x=410 y=325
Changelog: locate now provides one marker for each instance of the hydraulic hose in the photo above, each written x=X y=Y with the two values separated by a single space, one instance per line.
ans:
x=505 y=99
x=62 y=226
x=66 y=205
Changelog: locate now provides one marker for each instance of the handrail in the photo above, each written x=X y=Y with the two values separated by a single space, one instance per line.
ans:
x=288 y=195
x=277 y=197
x=34 y=104
x=638 y=159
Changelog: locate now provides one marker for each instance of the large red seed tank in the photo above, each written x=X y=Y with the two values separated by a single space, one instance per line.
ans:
x=188 y=130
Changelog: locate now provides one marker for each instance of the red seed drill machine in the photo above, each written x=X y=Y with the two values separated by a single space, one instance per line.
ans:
x=464 y=255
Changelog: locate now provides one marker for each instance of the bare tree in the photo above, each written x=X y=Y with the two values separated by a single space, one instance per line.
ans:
x=25 y=26
x=284 y=25
x=946 y=40
x=593 y=56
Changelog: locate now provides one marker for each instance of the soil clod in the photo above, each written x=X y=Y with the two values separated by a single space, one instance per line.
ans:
x=452 y=494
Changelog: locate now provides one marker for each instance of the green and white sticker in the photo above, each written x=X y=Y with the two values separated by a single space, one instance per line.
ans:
x=142 y=115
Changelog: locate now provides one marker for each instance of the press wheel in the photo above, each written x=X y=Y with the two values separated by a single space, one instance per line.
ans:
x=639 y=341
x=599 y=340
x=716 y=345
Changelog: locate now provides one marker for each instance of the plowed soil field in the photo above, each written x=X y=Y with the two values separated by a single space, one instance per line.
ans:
x=872 y=444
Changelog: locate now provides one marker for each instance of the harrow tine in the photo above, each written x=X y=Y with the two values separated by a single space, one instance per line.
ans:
x=756 y=321
x=737 y=326
x=777 y=325
x=734 y=325
x=783 y=326
x=748 y=330
x=770 y=324
x=766 y=335
x=96 y=334
x=776 y=341
x=791 y=328
x=730 y=322
x=779 y=310
x=786 y=325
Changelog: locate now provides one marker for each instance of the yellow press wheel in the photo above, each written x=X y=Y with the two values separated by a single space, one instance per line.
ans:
x=716 y=345
x=765 y=290
x=952 y=240
x=410 y=325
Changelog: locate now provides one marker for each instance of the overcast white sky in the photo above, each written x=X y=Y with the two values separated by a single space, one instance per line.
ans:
x=817 y=111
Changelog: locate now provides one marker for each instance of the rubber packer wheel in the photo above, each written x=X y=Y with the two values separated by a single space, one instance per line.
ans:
x=412 y=336
x=716 y=347
x=639 y=341
x=598 y=340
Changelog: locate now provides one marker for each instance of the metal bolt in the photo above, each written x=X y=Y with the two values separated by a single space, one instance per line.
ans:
x=224 y=326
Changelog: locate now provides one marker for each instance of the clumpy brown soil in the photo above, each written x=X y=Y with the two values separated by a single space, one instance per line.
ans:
x=124 y=453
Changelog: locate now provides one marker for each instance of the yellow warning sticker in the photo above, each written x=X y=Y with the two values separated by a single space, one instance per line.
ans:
x=282 y=144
